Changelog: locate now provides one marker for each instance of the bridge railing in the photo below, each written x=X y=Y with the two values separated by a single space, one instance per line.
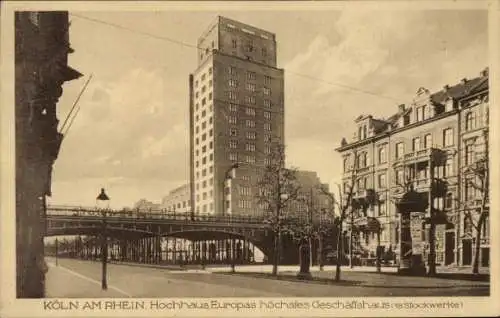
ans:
x=162 y=214
x=159 y=214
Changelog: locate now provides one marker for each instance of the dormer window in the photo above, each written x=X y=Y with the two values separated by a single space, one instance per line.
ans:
x=362 y=132
x=406 y=120
x=448 y=106
x=421 y=113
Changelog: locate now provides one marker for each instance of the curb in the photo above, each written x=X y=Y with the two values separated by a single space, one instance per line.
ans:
x=294 y=278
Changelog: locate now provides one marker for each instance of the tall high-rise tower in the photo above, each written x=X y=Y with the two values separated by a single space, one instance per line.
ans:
x=236 y=110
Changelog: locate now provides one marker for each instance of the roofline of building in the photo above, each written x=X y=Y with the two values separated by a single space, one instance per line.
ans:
x=396 y=130
x=413 y=125
x=215 y=52
x=217 y=20
x=249 y=25
x=207 y=30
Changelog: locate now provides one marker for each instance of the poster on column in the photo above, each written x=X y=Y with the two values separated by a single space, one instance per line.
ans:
x=227 y=135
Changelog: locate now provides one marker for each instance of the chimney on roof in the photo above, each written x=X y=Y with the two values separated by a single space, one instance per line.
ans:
x=485 y=72
x=446 y=87
x=401 y=108
x=343 y=142
x=464 y=80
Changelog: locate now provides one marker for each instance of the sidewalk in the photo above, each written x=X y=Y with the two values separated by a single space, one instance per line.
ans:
x=266 y=268
x=370 y=279
x=61 y=282
x=289 y=268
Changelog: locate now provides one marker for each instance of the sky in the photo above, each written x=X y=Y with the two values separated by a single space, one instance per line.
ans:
x=131 y=133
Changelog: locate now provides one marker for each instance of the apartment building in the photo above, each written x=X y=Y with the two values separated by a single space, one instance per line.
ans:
x=236 y=109
x=178 y=200
x=144 y=205
x=425 y=147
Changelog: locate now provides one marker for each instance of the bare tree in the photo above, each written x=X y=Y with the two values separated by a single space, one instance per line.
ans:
x=327 y=221
x=302 y=231
x=344 y=205
x=278 y=188
x=372 y=224
x=476 y=210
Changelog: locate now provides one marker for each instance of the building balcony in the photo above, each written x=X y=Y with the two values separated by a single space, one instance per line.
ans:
x=475 y=203
x=361 y=193
x=436 y=155
x=417 y=156
x=364 y=169
x=439 y=187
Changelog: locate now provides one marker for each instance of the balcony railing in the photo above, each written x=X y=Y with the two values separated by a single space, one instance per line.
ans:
x=78 y=212
x=474 y=202
x=363 y=169
x=422 y=154
x=361 y=193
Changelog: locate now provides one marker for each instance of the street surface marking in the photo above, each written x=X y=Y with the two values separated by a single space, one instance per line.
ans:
x=90 y=279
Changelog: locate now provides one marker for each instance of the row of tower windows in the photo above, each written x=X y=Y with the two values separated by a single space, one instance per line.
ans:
x=205 y=195
x=248 y=123
x=250 y=76
x=204 y=184
x=250 y=159
x=251 y=135
x=203 y=77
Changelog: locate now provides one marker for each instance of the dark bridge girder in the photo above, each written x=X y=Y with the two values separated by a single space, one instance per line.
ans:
x=262 y=242
x=133 y=229
x=113 y=232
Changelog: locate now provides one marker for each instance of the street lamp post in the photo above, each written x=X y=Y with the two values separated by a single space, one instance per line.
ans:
x=56 y=252
x=102 y=197
x=310 y=220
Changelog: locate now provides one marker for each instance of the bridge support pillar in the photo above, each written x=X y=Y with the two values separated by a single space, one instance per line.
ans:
x=94 y=257
x=150 y=250
x=135 y=251
x=123 y=250
x=144 y=250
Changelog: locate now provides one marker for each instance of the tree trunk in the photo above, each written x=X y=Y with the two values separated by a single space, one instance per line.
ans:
x=379 y=252
x=305 y=260
x=339 y=253
x=320 y=252
x=432 y=249
x=351 y=246
x=277 y=237
x=477 y=245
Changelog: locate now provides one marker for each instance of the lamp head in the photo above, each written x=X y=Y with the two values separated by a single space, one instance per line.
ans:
x=102 y=196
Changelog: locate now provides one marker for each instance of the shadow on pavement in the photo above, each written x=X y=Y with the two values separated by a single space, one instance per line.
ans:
x=452 y=276
x=291 y=276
